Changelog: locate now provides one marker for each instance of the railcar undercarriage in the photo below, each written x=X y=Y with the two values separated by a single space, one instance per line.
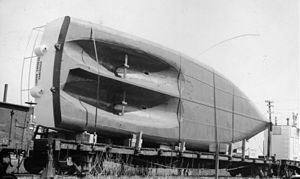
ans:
x=53 y=155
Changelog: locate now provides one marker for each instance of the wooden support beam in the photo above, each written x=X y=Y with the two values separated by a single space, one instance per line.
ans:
x=243 y=149
x=139 y=141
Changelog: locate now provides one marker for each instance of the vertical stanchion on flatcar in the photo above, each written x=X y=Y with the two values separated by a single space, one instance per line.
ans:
x=179 y=107
x=217 y=160
x=216 y=131
x=98 y=78
x=232 y=125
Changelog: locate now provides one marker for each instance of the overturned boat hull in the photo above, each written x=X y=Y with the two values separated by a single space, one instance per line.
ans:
x=100 y=80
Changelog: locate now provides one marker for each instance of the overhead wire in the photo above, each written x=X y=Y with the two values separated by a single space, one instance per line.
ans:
x=224 y=41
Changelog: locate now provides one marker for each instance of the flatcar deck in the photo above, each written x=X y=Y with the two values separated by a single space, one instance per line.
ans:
x=116 y=149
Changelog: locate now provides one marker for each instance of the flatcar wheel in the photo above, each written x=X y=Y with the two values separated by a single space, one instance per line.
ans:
x=34 y=165
x=244 y=174
x=233 y=173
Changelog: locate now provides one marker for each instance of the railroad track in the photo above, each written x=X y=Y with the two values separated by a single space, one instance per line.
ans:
x=32 y=176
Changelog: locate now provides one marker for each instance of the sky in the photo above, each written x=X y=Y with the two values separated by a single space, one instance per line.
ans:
x=264 y=65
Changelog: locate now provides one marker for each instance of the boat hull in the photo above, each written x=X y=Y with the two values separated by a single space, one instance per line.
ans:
x=100 y=80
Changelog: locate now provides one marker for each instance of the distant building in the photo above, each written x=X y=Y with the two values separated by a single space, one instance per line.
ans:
x=285 y=142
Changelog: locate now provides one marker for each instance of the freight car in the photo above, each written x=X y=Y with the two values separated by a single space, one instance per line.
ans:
x=104 y=94
x=15 y=127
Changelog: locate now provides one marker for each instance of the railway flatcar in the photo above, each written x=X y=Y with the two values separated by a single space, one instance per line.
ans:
x=96 y=79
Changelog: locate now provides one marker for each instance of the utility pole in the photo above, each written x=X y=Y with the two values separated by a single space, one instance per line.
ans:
x=269 y=105
x=295 y=119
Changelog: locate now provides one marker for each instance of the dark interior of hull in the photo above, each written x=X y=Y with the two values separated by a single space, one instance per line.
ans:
x=112 y=57
x=112 y=94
